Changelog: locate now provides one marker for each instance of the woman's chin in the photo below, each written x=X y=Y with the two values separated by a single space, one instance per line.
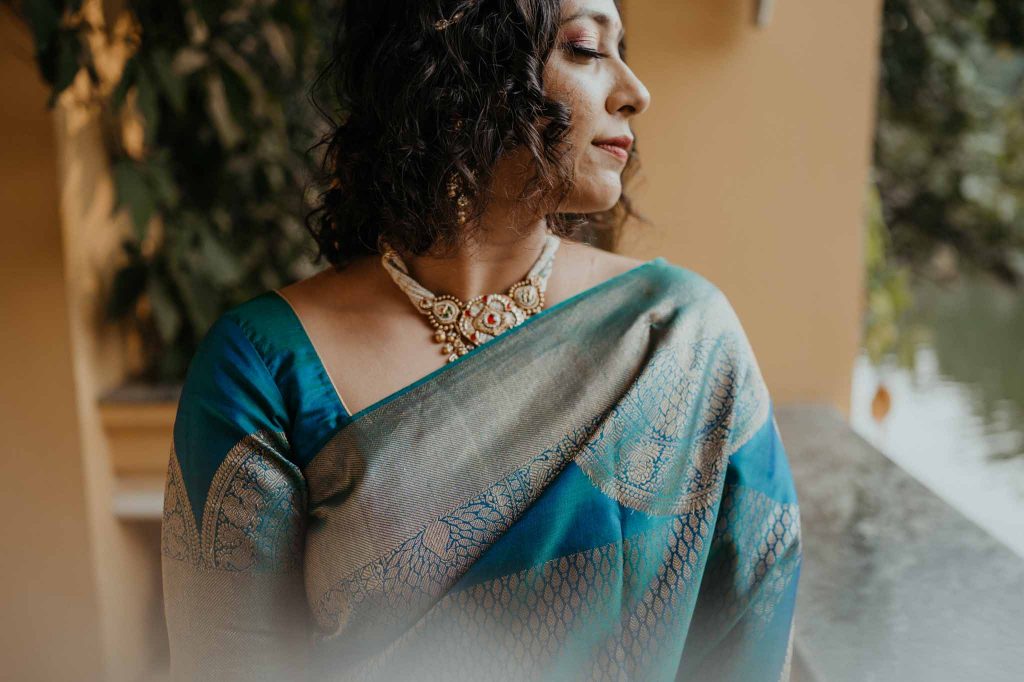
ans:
x=595 y=200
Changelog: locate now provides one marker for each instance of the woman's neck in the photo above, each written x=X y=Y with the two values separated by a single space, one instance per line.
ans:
x=497 y=257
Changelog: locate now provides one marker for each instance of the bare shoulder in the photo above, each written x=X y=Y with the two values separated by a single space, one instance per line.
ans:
x=600 y=264
x=335 y=288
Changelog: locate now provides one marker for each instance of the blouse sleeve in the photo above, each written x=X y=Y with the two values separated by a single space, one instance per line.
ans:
x=233 y=525
x=742 y=627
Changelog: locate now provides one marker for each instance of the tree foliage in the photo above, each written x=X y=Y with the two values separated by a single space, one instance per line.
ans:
x=949 y=146
x=218 y=188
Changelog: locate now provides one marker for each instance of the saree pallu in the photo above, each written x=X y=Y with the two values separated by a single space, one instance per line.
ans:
x=598 y=494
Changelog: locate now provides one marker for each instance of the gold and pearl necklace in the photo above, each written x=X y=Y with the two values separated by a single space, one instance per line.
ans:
x=459 y=327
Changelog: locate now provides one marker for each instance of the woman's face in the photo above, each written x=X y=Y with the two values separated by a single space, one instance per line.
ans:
x=586 y=72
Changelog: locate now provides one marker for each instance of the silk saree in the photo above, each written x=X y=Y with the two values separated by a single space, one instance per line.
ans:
x=600 y=493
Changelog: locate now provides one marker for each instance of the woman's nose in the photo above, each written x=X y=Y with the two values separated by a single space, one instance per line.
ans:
x=631 y=96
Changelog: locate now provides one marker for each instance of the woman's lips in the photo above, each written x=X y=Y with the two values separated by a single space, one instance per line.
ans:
x=615 y=150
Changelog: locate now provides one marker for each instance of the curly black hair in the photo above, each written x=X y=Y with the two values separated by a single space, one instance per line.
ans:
x=419 y=104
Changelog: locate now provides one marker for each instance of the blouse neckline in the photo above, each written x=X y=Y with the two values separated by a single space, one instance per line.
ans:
x=349 y=418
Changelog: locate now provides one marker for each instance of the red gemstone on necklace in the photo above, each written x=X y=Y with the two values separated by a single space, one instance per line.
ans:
x=491 y=319
x=466 y=313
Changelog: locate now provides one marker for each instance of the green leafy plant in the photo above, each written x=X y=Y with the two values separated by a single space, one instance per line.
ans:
x=889 y=300
x=219 y=185
x=949 y=146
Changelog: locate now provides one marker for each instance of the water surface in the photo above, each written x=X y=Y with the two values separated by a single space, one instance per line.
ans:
x=956 y=421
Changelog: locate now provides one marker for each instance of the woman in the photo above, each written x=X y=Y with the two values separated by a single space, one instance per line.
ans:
x=476 y=448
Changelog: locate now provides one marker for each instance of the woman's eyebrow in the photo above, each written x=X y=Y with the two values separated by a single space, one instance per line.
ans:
x=599 y=18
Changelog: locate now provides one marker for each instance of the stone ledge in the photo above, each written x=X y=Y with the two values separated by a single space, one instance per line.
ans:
x=138 y=421
x=896 y=584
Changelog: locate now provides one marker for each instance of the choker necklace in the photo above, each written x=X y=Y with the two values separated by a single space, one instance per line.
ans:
x=459 y=327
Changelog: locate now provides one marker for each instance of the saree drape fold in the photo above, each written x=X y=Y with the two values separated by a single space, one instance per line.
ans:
x=599 y=494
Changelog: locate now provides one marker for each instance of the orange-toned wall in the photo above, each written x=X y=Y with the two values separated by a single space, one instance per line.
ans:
x=756 y=152
x=80 y=586
x=48 y=590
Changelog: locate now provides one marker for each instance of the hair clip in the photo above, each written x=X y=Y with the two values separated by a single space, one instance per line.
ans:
x=442 y=24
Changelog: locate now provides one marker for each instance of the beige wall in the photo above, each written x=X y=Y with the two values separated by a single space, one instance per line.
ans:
x=81 y=600
x=126 y=555
x=50 y=602
x=756 y=150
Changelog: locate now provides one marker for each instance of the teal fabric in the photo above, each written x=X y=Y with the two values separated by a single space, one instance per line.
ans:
x=228 y=394
x=599 y=493
x=310 y=399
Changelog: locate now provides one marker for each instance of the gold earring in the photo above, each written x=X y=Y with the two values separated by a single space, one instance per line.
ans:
x=461 y=200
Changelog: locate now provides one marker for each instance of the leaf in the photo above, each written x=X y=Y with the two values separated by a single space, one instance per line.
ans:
x=239 y=94
x=44 y=21
x=165 y=310
x=66 y=65
x=205 y=14
x=94 y=76
x=164 y=186
x=202 y=301
x=173 y=85
x=188 y=60
x=128 y=77
x=279 y=43
x=148 y=105
x=223 y=266
x=228 y=131
x=128 y=284
x=134 y=194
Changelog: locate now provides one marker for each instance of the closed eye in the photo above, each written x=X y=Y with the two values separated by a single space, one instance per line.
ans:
x=586 y=52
